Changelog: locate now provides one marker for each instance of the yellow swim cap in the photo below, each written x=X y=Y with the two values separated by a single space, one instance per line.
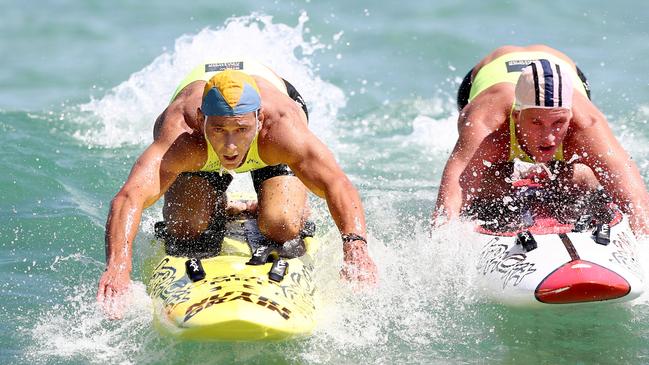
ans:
x=230 y=92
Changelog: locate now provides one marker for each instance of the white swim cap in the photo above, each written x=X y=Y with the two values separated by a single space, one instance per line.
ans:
x=544 y=84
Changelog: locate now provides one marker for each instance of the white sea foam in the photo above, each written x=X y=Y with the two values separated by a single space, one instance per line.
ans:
x=427 y=283
x=426 y=300
x=630 y=131
x=125 y=115
x=76 y=330
x=643 y=259
x=435 y=127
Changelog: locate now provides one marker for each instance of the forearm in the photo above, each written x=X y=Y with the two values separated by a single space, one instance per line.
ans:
x=628 y=192
x=317 y=169
x=449 y=202
x=449 y=197
x=345 y=206
x=347 y=211
x=121 y=229
x=637 y=205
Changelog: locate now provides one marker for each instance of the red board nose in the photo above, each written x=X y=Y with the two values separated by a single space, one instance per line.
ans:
x=581 y=281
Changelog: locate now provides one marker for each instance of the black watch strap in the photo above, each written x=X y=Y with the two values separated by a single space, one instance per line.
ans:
x=351 y=237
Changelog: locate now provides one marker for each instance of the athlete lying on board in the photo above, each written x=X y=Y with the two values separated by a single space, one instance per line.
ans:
x=532 y=104
x=226 y=118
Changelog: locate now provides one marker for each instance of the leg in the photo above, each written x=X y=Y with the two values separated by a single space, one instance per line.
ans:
x=192 y=203
x=573 y=179
x=281 y=197
x=577 y=191
x=281 y=203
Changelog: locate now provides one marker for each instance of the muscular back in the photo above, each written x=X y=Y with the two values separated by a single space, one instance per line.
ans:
x=511 y=49
x=179 y=128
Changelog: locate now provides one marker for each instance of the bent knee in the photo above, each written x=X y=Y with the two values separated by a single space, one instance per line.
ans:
x=280 y=229
x=581 y=179
x=187 y=228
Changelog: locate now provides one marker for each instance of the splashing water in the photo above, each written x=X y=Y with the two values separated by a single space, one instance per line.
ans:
x=126 y=114
x=76 y=329
x=426 y=308
x=425 y=301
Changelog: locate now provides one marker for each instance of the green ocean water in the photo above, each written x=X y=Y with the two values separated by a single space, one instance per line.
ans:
x=83 y=81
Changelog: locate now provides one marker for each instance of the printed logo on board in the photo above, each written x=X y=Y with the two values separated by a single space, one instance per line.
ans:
x=511 y=268
x=194 y=265
x=625 y=254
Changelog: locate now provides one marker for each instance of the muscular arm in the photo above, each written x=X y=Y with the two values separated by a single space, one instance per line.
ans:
x=450 y=198
x=142 y=188
x=315 y=166
x=599 y=149
x=479 y=139
x=318 y=170
x=150 y=177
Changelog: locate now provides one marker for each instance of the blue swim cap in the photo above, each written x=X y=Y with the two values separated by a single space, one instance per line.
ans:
x=230 y=93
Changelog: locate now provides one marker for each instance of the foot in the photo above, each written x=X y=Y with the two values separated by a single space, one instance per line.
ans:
x=241 y=207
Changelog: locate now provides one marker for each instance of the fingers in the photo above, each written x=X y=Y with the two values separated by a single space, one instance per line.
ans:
x=369 y=276
x=101 y=290
x=112 y=296
x=251 y=206
x=360 y=273
x=104 y=284
x=358 y=266
x=115 y=303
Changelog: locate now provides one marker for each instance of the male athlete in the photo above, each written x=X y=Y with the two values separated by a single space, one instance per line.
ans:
x=526 y=115
x=225 y=118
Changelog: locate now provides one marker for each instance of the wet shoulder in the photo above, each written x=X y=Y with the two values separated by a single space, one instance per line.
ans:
x=180 y=115
x=491 y=108
x=585 y=115
x=281 y=135
x=186 y=153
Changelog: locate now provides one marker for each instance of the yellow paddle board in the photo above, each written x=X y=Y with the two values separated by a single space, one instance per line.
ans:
x=235 y=301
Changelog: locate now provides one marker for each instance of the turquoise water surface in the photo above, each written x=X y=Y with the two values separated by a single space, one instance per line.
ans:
x=83 y=81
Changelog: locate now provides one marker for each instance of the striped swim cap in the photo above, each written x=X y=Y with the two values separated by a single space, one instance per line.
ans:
x=544 y=84
x=230 y=93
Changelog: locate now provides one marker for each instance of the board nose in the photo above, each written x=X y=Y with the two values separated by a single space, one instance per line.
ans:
x=581 y=281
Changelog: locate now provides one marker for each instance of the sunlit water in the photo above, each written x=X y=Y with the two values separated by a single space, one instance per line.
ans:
x=379 y=83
